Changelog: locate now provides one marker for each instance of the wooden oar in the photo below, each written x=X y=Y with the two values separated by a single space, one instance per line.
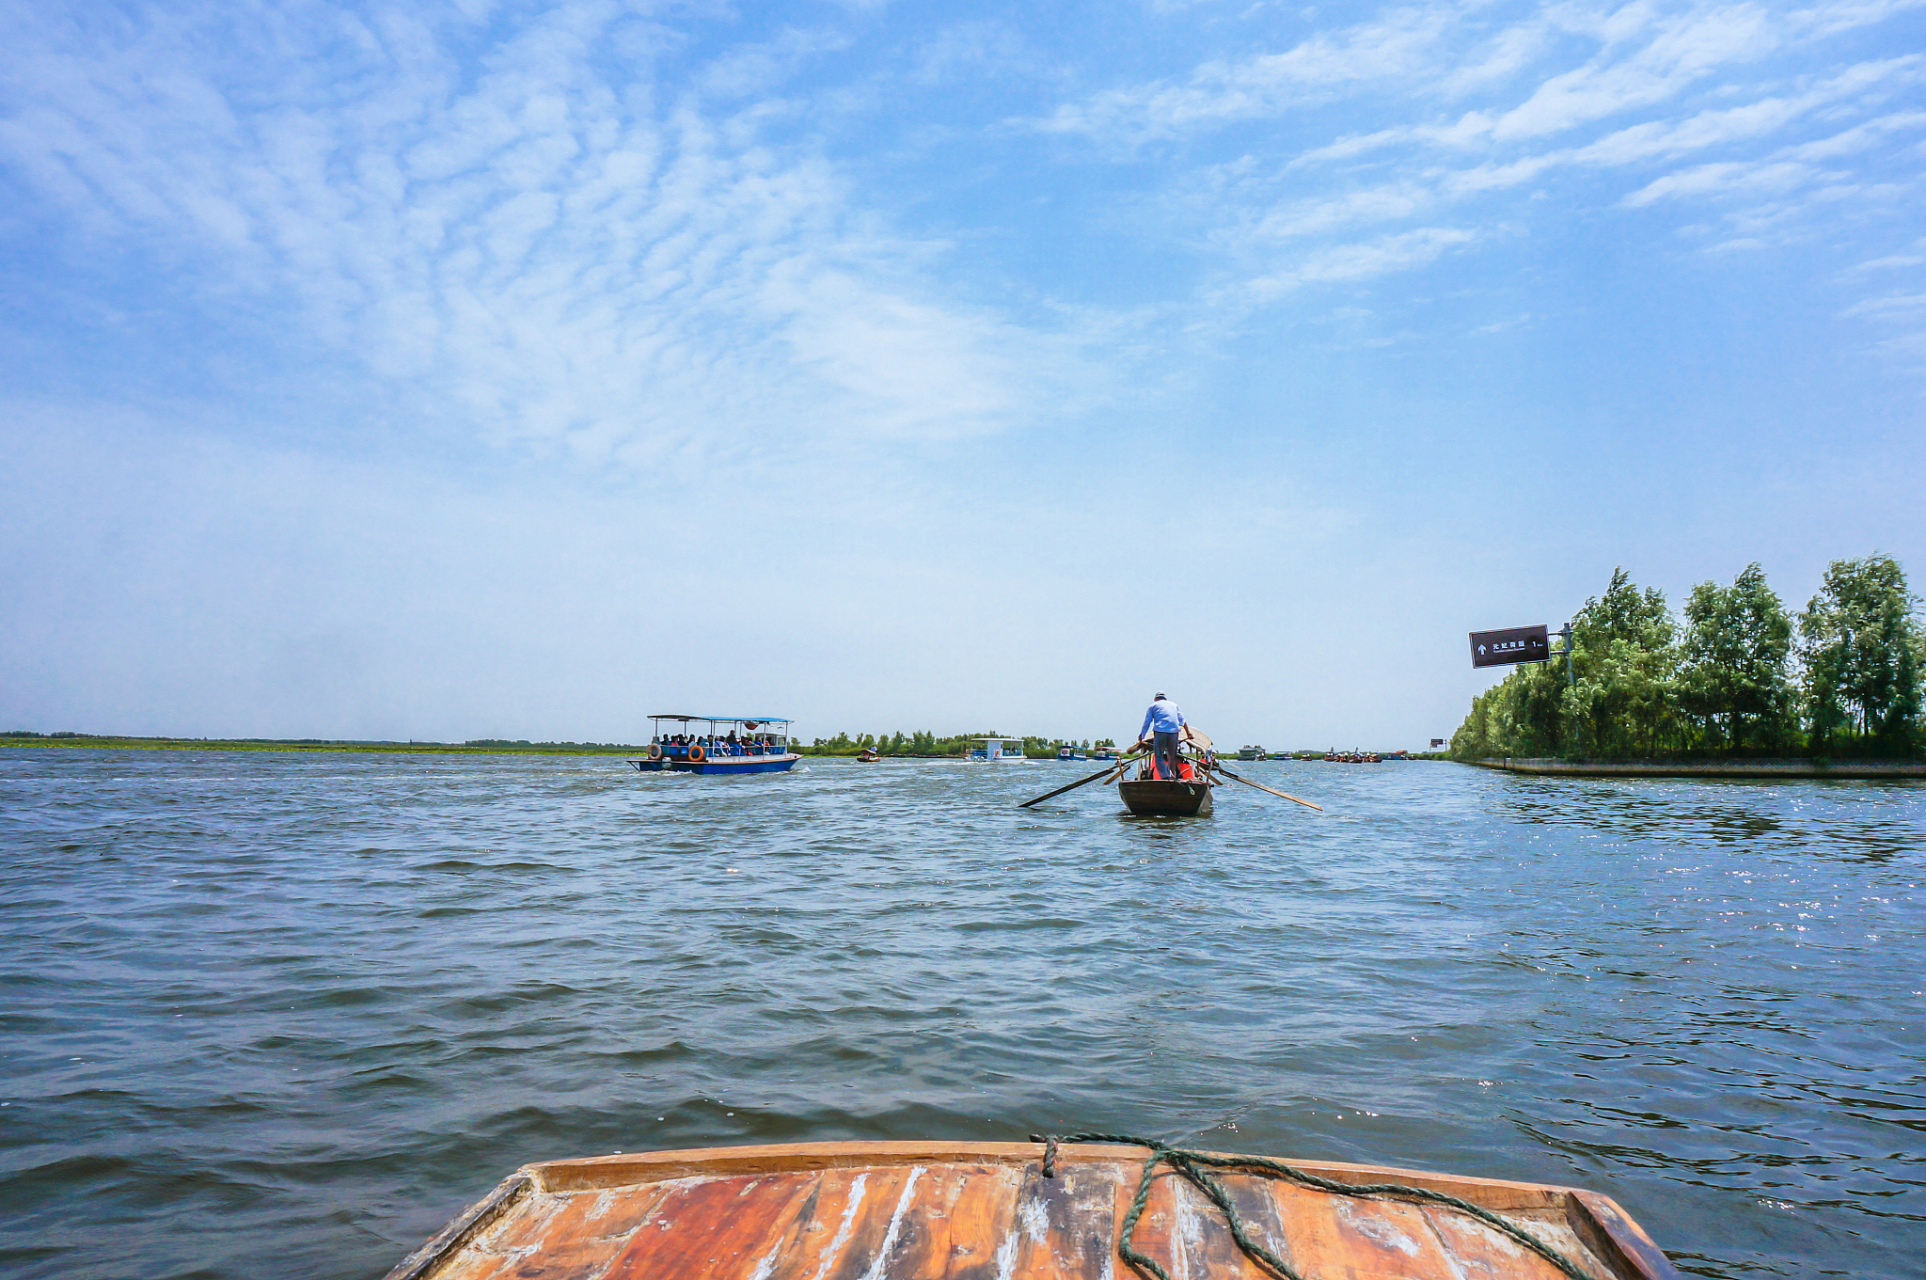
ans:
x=1109 y=768
x=1261 y=787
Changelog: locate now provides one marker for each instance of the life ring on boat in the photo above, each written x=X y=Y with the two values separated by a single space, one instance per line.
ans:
x=655 y=751
x=697 y=754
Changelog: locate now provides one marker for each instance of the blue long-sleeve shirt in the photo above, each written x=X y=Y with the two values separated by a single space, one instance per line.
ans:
x=1163 y=716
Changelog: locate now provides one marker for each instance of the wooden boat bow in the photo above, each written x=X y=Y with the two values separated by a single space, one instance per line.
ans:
x=987 y=1211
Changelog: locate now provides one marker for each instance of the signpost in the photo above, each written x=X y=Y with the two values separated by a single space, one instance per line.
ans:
x=1514 y=644
x=1520 y=644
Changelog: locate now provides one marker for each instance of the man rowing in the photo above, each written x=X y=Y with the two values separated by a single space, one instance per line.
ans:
x=1163 y=725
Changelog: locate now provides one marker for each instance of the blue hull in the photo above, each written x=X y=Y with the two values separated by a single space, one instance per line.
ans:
x=724 y=764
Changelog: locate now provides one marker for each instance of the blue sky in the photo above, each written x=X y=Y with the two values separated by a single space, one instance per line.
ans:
x=447 y=371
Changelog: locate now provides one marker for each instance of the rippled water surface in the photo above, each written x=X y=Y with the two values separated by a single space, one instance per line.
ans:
x=285 y=1014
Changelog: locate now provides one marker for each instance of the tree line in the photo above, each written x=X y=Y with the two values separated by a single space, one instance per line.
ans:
x=1737 y=676
x=928 y=744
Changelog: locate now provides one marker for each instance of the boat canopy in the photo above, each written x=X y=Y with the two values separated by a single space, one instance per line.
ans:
x=752 y=721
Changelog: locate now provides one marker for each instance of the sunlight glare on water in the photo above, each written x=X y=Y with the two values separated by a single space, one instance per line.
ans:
x=288 y=1013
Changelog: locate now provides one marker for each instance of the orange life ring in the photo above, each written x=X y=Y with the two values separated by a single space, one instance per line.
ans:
x=697 y=754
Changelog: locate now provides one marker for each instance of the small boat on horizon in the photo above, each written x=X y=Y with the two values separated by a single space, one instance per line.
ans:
x=994 y=749
x=1090 y=1208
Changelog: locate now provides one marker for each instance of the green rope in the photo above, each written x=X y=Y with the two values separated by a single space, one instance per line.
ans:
x=1194 y=1167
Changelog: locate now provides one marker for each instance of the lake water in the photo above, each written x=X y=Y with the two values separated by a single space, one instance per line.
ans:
x=285 y=1014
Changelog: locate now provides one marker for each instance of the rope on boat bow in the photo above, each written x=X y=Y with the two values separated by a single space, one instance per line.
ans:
x=1194 y=1167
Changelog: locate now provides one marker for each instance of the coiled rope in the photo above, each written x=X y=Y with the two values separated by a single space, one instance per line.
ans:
x=1194 y=1167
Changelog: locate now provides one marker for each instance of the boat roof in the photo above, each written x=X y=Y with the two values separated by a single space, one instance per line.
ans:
x=996 y=739
x=666 y=715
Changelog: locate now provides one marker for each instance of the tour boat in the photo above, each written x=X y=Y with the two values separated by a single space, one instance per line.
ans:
x=1060 y=1210
x=1250 y=753
x=724 y=744
x=1071 y=753
x=997 y=749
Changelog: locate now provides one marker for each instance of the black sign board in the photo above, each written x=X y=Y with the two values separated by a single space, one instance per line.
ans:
x=1514 y=644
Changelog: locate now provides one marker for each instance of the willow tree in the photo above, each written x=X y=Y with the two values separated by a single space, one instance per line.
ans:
x=1733 y=683
x=1863 y=649
x=1622 y=702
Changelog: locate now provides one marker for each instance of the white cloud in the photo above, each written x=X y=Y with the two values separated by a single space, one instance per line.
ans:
x=1363 y=260
x=513 y=237
x=1401 y=44
x=1890 y=305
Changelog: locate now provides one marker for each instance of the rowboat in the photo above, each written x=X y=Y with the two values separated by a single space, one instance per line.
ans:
x=1151 y=795
x=1022 y=1211
x=1160 y=798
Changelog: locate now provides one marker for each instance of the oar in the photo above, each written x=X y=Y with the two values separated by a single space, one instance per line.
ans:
x=1109 y=768
x=1261 y=787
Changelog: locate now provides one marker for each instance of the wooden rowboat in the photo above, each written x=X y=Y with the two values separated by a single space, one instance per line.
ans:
x=1155 y=797
x=1014 y=1211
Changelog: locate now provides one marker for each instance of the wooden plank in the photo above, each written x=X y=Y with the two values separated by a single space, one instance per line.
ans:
x=656 y=1166
x=863 y=1236
x=1337 y=1237
x=1065 y=1228
x=1482 y=1253
x=1609 y=1230
x=505 y=1198
x=1185 y=1233
x=711 y=1228
x=576 y=1242
x=1262 y=1220
x=950 y=1228
x=816 y=1235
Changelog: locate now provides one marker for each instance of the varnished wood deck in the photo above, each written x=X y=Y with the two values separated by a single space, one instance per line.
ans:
x=927 y=1211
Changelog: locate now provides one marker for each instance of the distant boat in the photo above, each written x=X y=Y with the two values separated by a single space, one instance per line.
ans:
x=1250 y=753
x=1070 y=753
x=997 y=749
x=869 y=755
x=725 y=744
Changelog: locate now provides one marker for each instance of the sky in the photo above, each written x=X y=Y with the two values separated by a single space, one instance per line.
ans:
x=443 y=371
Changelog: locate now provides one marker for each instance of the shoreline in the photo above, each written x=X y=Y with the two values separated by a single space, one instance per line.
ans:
x=1766 y=769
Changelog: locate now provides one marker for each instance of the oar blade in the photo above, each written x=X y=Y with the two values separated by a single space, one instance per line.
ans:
x=1109 y=768
x=1281 y=795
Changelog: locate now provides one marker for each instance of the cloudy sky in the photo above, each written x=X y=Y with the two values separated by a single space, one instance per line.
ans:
x=475 y=369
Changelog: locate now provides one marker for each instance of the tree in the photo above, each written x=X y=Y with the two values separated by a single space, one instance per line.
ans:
x=1732 y=671
x=1622 y=700
x=1863 y=649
